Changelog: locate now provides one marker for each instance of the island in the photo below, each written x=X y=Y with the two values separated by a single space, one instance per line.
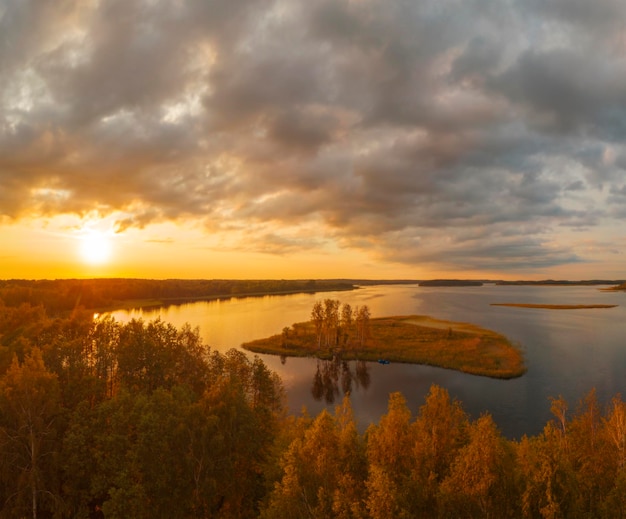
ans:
x=561 y=282
x=414 y=339
x=553 y=307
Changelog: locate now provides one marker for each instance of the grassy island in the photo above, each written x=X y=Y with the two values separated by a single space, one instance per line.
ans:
x=620 y=287
x=411 y=339
x=553 y=307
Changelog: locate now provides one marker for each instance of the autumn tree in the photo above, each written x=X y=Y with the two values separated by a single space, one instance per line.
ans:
x=390 y=465
x=362 y=320
x=614 y=427
x=481 y=482
x=317 y=316
x=309 y=473
x=323 y=471
x=351 y=492
x=614 y=431
x=589 y=458
x=30 y=427
x=441 y=430
x=346 y=321
x=331 y=322
x=548 y=482
x=248 y=401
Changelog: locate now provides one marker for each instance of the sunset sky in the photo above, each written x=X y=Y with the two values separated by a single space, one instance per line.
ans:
x=313 y=139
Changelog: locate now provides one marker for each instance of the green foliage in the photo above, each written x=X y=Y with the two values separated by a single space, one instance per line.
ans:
x=142 y=420
x=30 y=428
x=138 y=418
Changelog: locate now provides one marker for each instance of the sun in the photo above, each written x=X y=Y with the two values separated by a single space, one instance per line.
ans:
x=95 y=247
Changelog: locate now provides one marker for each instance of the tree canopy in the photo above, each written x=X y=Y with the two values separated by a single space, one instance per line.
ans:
x=143 y=420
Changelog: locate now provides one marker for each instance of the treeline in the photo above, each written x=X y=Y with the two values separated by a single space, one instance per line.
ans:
x=451 y=283
x=562 y=282
x=442 y=464
x=135 y=420
x=62 y=295
x=142 y=420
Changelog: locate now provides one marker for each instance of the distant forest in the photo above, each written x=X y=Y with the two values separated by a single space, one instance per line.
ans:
x=451 y=283
x=62 y=295
x=142 y=420
x=549 y=282
x=545 y=282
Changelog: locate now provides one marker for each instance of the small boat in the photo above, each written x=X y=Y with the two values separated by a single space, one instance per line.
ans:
x=383 y=361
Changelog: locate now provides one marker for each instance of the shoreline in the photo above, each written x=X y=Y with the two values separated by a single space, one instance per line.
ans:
x=130 y=304
x=554 y=307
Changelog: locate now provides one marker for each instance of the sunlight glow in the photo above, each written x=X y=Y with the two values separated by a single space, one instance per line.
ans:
x=95 y=247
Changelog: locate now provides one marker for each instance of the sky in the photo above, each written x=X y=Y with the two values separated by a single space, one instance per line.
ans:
x=318 y=139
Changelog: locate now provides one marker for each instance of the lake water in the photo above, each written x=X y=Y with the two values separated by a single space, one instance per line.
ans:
x=567 y=352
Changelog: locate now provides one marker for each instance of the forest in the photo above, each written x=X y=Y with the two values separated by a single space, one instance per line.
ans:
x=63 y=295
x=141 y=419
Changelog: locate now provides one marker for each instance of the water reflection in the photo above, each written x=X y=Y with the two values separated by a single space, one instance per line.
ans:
x=567 y=352
x=335 y=378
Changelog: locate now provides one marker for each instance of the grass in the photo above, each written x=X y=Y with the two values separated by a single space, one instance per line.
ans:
x=409 y=339
x=553 y=307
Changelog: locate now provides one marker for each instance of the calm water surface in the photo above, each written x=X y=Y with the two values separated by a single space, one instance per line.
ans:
x=568 y=352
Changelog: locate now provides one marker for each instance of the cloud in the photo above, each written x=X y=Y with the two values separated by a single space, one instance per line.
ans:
x=401 y=128
x=566 y=91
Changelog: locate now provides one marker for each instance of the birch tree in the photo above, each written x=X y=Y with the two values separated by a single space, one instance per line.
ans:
x=317 y=316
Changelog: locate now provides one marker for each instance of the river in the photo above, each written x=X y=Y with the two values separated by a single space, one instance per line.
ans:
x=567 y=352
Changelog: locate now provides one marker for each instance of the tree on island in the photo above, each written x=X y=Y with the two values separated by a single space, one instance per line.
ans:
x=317 y=317
x=346 y=321
x=362 y=324
x=334 y=323
x=331 y=322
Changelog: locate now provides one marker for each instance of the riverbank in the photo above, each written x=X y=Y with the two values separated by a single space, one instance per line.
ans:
x=167 y=301
x=100 y=295
x=409 y=339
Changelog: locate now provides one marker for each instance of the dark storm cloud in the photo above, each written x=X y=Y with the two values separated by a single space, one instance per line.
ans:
x=468 y=133
x=568 y=91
